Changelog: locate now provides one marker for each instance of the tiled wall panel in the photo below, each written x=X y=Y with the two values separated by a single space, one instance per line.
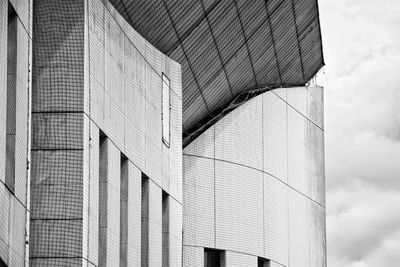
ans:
x=113 y=212
x=175 y=232
x=123 y=79
x=199 y=199
x=134 y=217
x=275 y=136
x=243 y=128
x=239 y=217
x=193 y=256
x=233 y=259
x=155 y=225
x=266 y=162
x=276 y=236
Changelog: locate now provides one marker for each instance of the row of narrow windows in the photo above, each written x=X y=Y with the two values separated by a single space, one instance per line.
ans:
x=124 y=195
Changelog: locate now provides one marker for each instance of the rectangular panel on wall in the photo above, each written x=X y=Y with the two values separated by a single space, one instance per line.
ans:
x=299 y=229
x=166 y=110
x=155 y=224
x=198 y=196
x=233 y=259
x=113 y=214
x=192 y=256
x=298 y=168
x=275 y=132
x=276 y=236
x=175 y=235
x=239 y=208
x=242 y=127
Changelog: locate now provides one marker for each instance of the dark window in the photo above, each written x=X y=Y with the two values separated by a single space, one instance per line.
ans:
x=165 y=229
x=145 y=221
x=11 y=97
x=2 y=263
x=214 y=258
x=103 y=198
x=123 y=230
x=263 y=262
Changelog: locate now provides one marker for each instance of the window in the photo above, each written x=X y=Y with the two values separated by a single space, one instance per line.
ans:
x=103 y=198
x=145 y=222
x=166 y=110
x=123 y=212
x=263 y=262
x=165 y=229
x=11 y=97
x=214 y=258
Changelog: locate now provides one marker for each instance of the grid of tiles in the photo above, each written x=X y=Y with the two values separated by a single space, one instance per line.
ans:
x=123 y=83
x=254 y=183
x=57 y=171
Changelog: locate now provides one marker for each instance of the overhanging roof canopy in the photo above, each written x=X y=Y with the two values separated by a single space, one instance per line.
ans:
x=228 y=47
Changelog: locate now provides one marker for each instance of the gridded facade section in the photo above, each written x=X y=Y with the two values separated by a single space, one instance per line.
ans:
x=15 y=53
x=57 y=166
x=254 y=183
x=96 y=78
x=123 y=99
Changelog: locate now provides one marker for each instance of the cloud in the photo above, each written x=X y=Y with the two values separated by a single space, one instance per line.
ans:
x=363 y=226
x=361 y=40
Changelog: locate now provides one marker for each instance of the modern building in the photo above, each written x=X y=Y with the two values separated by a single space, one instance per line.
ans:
x=161 y=133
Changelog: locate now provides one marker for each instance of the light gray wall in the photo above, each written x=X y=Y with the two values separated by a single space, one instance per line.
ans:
x=254 y=183
x=123 y=85
x=13 y=206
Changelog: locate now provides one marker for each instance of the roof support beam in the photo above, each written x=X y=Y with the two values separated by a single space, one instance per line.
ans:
x=245 y=41
x=273 y=40
x=187 y=58
x=298 y=41
x=216 y=46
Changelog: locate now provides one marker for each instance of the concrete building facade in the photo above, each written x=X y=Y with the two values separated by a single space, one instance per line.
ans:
x=125 y=139
x=254 y=188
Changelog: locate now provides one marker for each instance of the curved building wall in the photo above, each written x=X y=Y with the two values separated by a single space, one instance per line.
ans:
x=254 y=183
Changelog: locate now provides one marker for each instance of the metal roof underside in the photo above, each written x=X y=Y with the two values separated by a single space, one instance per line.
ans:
x=228 y=47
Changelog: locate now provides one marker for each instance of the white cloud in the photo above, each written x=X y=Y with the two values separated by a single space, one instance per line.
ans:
x=361 y=41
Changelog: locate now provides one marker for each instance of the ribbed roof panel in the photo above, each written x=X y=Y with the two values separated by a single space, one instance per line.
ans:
x=227 y=47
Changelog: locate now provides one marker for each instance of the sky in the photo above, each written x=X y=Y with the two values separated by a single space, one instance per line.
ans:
x=361 y=42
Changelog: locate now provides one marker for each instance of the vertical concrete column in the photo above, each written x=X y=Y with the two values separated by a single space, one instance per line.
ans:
x=155 y=225
x=113 y=205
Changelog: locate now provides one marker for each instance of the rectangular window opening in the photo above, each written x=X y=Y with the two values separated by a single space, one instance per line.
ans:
x=166 y=110
x=263 y=262
x=124 y=211
x=11 y=97
x=165 y=229
x=103 y=198
x=214 y=258
x=145 y=222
